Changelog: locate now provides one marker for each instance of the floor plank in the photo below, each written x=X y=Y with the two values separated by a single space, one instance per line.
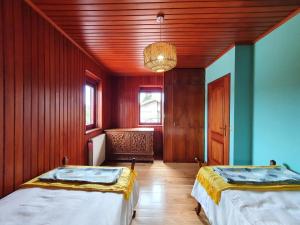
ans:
x=165 y=194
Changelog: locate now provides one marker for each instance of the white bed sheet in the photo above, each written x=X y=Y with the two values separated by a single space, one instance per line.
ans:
x=38 y=206
x=238 y=207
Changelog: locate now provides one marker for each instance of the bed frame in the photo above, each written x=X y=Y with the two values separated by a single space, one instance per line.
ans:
x=201 y=164
x=65 y=162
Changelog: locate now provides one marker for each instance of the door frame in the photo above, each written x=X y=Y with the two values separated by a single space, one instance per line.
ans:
x=227 y=87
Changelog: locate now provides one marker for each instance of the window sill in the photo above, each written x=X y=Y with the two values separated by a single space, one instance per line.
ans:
x=150 y=125
x=92 y=130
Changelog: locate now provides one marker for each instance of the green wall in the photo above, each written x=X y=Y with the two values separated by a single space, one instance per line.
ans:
x=243 y=104
x=276 y=99
x=238 y=62
x=218 y=69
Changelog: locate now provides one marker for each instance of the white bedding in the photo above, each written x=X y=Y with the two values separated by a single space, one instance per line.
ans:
x=250 y=208
x=37 y=206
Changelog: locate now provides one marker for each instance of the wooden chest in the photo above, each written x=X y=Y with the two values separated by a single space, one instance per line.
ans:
x=124 y=144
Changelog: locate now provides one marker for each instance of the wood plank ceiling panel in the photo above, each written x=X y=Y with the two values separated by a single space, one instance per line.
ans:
x=116 y=32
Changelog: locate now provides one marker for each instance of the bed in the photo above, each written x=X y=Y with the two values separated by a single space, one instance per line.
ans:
x=41 y=206
x=244 y=207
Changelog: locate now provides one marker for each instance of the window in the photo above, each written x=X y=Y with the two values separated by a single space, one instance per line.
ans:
x=150 y=105
x=90 y=104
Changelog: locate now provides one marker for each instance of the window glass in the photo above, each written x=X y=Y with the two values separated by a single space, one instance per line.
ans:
x=90 y=105
x=150 y=106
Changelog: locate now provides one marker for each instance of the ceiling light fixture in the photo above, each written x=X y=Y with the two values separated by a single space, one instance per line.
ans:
x=160 y=56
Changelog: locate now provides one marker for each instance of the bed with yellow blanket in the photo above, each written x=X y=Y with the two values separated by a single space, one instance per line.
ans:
x=245 y=204
x=55 y=203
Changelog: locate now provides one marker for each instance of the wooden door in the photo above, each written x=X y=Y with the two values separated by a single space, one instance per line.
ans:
x=184 y=115
x=218 y=121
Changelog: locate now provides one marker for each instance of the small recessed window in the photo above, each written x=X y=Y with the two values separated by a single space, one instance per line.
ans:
x=90 y=104
x=150 y=105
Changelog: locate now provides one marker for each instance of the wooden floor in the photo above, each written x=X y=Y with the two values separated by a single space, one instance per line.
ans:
x=165 y=194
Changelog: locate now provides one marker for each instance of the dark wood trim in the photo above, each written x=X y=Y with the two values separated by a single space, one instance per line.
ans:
x=198 y=209
x=92 y=76
x=93 y=130
x=221 y=54
x=134 y=214
x=65 y=161
x=132 y=164
x=286 y=19
x=272 y=162
x=201 y=164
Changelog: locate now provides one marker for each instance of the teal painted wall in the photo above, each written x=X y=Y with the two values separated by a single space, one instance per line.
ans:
x=276 y=99
x=243 y=104
x=223 y=66
x=239 y=63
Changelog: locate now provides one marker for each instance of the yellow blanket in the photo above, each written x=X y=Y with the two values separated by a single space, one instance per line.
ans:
x=124 y=185
x=214 y=184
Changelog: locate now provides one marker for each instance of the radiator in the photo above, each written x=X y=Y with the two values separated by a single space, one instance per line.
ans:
x=96 y=148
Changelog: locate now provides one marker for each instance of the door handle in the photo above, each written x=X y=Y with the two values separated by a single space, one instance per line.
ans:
x=224 y=130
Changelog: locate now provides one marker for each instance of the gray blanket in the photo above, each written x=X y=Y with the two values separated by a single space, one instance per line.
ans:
x=263 y=176
x=84 y=175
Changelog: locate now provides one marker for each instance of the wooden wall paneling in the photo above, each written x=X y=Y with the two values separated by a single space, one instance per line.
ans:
x=34 y=96
x=82 y=114
x=9 y=105
x=80 y=105
x=57 y=98
x=65 y=99
x=70 y=100
x=1 y=101
x=27 y=94
x=71 y=105
x=72 y=94
x=47 y=137
x=41 y=95
x=18 y=47
x=61 y=97
x=76 y=112
x=52 y=76
x=79 y=126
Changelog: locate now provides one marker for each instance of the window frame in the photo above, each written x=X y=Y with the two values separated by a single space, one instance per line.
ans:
x=145 y=90
x=94 y=84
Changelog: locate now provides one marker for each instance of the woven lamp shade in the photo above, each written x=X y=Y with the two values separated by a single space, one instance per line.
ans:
x=160 y=56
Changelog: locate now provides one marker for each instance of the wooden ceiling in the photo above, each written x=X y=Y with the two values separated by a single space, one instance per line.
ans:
x=115 y=32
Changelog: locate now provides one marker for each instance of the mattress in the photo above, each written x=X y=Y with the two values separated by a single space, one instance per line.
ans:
x=38 y=206
x=238 y=207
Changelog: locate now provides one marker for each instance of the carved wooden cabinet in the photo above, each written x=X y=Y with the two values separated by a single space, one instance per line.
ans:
x=124 y=144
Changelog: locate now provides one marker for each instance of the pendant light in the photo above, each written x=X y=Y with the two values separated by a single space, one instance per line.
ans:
x=160 y=56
